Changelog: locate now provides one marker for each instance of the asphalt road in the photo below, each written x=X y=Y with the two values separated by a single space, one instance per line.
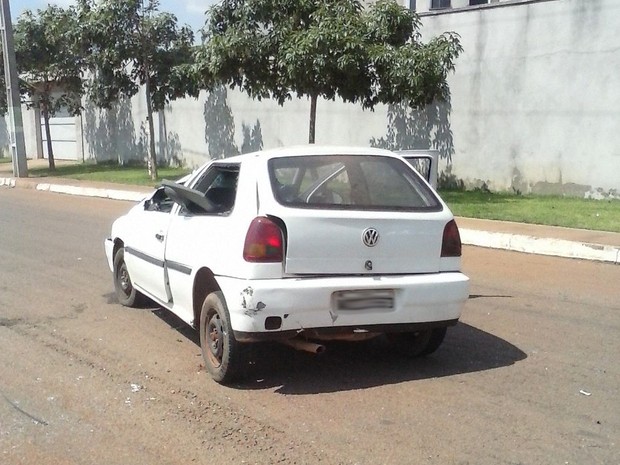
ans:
x=530 y=376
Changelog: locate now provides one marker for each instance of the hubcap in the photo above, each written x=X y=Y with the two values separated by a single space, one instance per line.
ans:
x=215 y=339
x=124 y=280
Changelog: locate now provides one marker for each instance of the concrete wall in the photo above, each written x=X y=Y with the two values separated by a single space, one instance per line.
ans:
x=535 y=107
x=536 y=95
x=221 y=123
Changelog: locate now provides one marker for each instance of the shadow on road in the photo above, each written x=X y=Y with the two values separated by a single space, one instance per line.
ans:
x=349 y=366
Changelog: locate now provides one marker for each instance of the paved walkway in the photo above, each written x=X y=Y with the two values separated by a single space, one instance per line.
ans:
x=520 y=237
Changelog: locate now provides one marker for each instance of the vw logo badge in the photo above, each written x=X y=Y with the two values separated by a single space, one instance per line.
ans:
x=370 y=237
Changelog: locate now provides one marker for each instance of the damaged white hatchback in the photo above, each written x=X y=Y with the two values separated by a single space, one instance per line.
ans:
x=301 y=245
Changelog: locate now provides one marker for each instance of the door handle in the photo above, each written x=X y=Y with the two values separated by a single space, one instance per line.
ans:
x=159 y=237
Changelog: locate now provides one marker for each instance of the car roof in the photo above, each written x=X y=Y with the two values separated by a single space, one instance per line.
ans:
x=306 y=150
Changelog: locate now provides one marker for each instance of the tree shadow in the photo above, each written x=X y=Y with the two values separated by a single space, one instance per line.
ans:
x=220 y=128
x=252 y=138
x=425 y=127
x=111 y=135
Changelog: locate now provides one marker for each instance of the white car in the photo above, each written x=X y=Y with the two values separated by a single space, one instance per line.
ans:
x=300 y=245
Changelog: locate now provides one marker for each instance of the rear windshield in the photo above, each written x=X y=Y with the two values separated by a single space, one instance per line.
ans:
x=357 y=182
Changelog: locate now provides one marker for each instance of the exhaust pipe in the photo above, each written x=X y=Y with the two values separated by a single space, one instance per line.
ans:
x=307 y=346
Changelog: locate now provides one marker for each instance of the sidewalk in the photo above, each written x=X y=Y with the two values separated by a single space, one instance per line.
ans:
x=519 y=237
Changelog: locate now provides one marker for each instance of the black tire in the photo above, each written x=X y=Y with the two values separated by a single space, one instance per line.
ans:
x=418 y=343
x=125 y=292
x=223 y=355
x=437 y=337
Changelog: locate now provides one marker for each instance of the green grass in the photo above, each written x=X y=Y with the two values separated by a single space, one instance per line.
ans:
x=601 y=215
x=108 y=172
x=5 y=160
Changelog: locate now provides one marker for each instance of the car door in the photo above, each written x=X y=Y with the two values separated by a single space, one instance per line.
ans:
x=424 y=162
x=145 y=246
x=359 y=215
x=198 y=237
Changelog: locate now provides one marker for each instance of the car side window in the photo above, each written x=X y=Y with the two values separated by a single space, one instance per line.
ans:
x=159 y=202
x=219 y=186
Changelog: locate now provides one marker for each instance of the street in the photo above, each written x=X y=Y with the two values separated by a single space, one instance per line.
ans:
x=530 y=375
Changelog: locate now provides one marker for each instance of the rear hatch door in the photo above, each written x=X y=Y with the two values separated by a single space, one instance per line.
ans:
x=319 y=243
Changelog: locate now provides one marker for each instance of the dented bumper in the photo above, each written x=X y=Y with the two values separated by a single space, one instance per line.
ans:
x=265 y=309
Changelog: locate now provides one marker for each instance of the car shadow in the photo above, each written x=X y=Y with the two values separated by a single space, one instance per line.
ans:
x=351 y=366
x=360 y=365
x=177 y=324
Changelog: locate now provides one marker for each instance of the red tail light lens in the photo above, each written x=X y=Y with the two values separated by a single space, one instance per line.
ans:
x=263 y=242
x=451 y=243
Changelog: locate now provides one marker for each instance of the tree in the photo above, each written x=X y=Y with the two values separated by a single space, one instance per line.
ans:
x=49 y=60
x=325 y=48
x=132 y=44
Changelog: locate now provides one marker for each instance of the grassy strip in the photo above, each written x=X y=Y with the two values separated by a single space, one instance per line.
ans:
x=105 y=172
x=600 y=215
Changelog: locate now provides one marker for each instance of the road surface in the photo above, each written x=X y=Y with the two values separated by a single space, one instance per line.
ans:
x=531 y=375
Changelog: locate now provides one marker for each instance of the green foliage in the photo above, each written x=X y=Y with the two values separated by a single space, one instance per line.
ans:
x=326 y=48
x=130 y=43
x=49 y=58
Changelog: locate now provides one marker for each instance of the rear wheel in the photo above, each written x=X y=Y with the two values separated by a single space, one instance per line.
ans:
x=222 y=353
x=418 y=343
x=437 y=337
x=125 y=292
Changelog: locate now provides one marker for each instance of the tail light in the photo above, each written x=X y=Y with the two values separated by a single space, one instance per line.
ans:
x=451 y=243
x=263 y=242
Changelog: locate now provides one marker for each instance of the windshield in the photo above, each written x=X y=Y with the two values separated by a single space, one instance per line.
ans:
x=361 y=182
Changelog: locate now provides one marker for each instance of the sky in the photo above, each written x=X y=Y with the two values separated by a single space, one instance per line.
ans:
x=189 y=12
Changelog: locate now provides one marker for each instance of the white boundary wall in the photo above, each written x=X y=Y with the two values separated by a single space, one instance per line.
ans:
x=536 y=95
x=535 y=106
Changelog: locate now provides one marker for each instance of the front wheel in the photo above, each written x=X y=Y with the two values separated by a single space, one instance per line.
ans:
x=222 y=353
x=125 y=292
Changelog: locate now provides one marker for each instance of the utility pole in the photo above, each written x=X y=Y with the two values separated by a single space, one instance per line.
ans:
x=16 y=124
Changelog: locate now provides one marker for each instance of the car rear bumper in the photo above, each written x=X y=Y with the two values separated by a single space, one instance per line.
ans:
x=276 y=308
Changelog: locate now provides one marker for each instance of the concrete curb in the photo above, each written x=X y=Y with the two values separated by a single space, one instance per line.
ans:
x=541 y=246
x=114 y=194
x=9 y=182
x=494 y=240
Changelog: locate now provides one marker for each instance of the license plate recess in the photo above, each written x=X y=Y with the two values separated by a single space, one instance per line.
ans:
x=376 y=299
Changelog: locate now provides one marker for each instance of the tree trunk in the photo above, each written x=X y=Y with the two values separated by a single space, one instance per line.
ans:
x=152 y=157
x=312 y=131
x=48 y=135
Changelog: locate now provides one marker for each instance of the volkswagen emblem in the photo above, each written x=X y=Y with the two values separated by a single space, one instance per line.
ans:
x=370 y=237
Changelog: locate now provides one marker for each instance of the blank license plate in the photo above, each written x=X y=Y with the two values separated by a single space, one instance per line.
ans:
x=364 y=299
